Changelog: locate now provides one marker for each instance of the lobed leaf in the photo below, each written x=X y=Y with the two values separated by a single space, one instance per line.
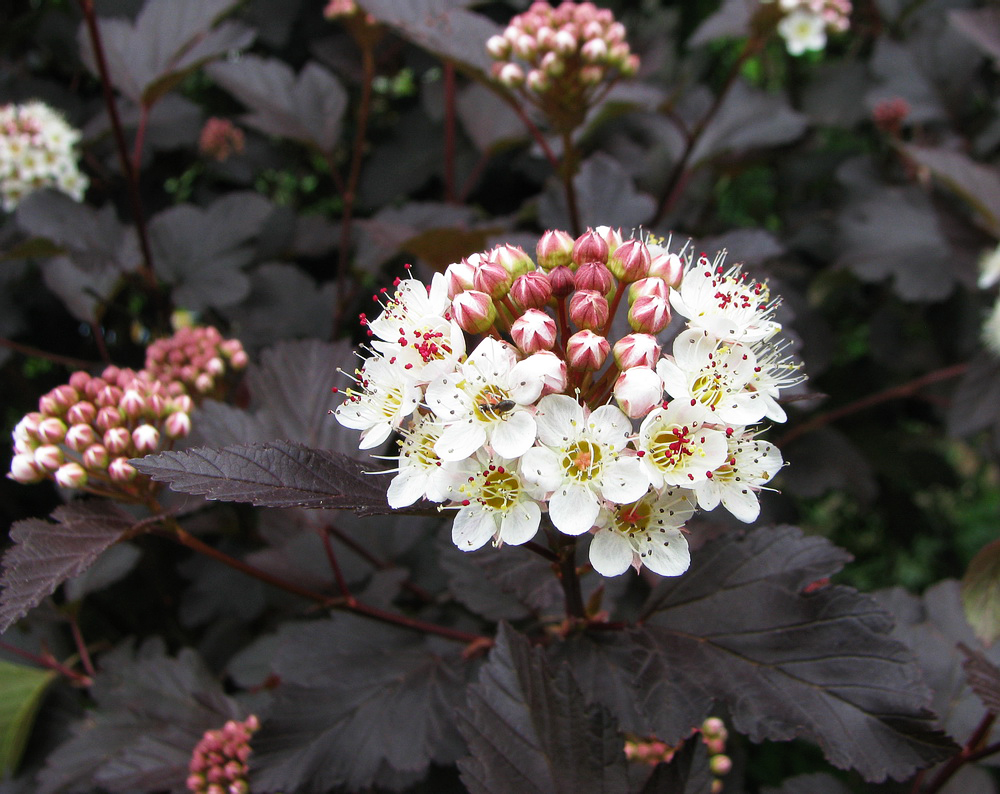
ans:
x=983 y=677
x=981 y=26
x=976 y=402
x=976 y=183
x=45 y=555
x=273 y=474
x=529 y=729
x=21 y=691
x=606 y=195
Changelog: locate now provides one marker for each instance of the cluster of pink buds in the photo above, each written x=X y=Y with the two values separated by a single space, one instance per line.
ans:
x=85 y=431
x=652 y=751
x=804 y=24
x=220 y=139
x=37 y=150
x=198 y=357
x=348 y=10
x=562 y=59
x=219 y=761
x=620 y=437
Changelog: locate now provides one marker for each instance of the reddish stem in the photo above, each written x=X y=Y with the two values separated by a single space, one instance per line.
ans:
x=532 y=129
x=331 y=557
x=967 y=755
x=140 y=137
x=48 y=661
x=449 y=132
x=55 y=358
x=375 y=562
x=81 y=647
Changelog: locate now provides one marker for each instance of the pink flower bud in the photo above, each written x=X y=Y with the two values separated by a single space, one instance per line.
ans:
x=534 y=331
x=156 y=404
x=564 y=42
x=25 y=470
x=214 y=366
x=65 y=396
x=594 y=51
x=630 y=261
x=48 y=406
x=239 y=359
x=238 y=787
x=82 y=413
x=591 y=75
x=195 y=782
x=587 y=351
x=588 y=309
x=638 y=391
x=538 y=81
x=117 y=440
x=203 y=384
x=71 y=475
x=492 y=278
x=182 y=402
x=720 y=765
x=630 y=66
x=594 y=276
x=108 y=417
x=525 y=46
x=79 y=380
x=474 y=311
x=79 y=437
x=132 y=403
x=554 y=249
x=590 y=247
x=177 y=425
x=650 y=314
x=27 y=429
x=460 y=276
x=648 y=286
x=49 y=457
x=613 y=237
x=553 y=370
x=713 y=727
x=498 y=47
x=513 y=258
x=669 y=267
x=636 y=350
x=552 y=65
x=561 y=279
x=96 y=457
x=146 y=438
x=531 y=290
x=508 y=74
x=51 y=430
x=120 y=470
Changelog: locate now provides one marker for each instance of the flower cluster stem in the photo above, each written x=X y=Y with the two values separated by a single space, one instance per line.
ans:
x=49 y=662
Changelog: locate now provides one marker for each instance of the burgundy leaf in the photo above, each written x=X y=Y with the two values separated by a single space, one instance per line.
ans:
x=976 y=183
x=45 y=555
x=976 y=404
x=981 y=26
x=983 y=677
x=274 y=474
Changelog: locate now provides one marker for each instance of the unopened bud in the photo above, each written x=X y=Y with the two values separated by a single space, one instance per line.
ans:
x=564 y=42
x=553 y=65
x=177 y=425
x=25 y=470
x=146 y=438
x=636 y=350
x=65 y=396
x=513 y=258
x=132 y=403
x=538 y=81
x=588 y=309
x=638 y=391
x=79 y=437
x=474 y=311
x=554 y=249
x=650 y=314
x=81 y=413
x=630 y=261
x=460 y=276
x=648 y=286
x=49 y=457
x=591 y=75
x=120 y=470
x=96 y=457
x=525 y=46
x=534 y=331
x=51 y=430
x=669 y=267
x=594 y=51
x=71 y=475
x=498 y=47
x=561 y=279
x=590 y=247
x=713 y=727
x=109 y=396
x=595 y=276
x=79 y=380
x=720 y=765
x=553 y=370
x=508 y=74
x=531 y=290
x=492 y=278
x=613 y=237
x=182 y=402
x=587 y=351
x=117 y=440
x=203 y=384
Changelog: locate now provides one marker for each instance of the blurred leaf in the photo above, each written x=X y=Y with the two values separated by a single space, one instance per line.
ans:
x=405 y=160
x=308 y=108
x=442 y=27
x=167 y=42
x=202 y=251
x=976 y=183
x=112 y=566
x=529 y=729
x=277 y=474
x=817 y=783
x=730 y=20
x=36 y=248
x=824 y=460
x=606 y=196
x=984 y=678
x=151 y=710
x=21 y=691
x=981 y=26
x=489 y=121
x=981 y=593
x=393 y=230
x=688 y=772
x=45 y=555
x=976 y=402
x=358 y=701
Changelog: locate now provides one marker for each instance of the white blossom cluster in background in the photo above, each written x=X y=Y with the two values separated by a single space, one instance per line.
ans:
x=623 y=438
x=989 y=277
x=36 y=151
x=805 y=24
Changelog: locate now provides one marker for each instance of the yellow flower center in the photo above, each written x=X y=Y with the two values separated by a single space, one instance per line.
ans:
x=582 y=460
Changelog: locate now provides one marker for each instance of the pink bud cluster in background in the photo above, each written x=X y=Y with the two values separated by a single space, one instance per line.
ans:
x=196 y=356
x=652 y=751
x=219 y=761
x=220 y=139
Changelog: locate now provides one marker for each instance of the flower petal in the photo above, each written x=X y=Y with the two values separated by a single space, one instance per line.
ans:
x=574 y=509
x=460 y=440
x=473 y=527
x=609 y=426
x=520 y=523
x=610 y=553
x=624 y=481
x=406 y=487
x=667 y=553
x=540 y=466
x=513 y=436
x=560 y=418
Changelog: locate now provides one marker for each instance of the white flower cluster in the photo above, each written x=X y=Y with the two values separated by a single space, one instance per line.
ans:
x=806 y=23
x=36 y=151
x=989 y=277
x=542 y=417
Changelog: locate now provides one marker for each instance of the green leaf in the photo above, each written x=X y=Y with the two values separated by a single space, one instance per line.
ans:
x=981 y=593
x=21 y=690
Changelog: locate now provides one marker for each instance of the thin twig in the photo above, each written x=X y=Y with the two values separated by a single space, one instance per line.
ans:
x=81 y=646
x=49 y=662
x=331 y=556
x=966 y=755
x=55 y=358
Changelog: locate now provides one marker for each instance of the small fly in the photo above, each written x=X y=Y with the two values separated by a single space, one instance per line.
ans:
x=498 y=408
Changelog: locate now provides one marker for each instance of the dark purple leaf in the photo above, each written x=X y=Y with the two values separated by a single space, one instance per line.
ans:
x=834 y=88
x=818 y=783
x=983 y=677
x=981 y=593
x=442 y=27
x=730 y=20
x=308 y=108
x=976 y=403
x=391 y=229
x=976 y=183
x=687 y=773
x=359 y=702
x=529 y=729
x=900 y=77
x=824 y=460
x=275 y=474
x=166 y=43
x=45 y=555
x=606 y=196
x=151 y=710
x=981 y=26
x=201 y=251
x=489 y=121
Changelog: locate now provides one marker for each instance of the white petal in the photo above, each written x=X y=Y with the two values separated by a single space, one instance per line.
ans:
x=709 y=494
x=667 y=553
x=673 y=377
x=446 y=400
x=540 y=465
x=624 y=481
x=574 y=509
x=610 y=553
x=527 y=379
x=512 y=437
x=520 y=523
x=473 y=527
x=375 y=435
x=742 y=503
x=406 y=487
x=744 y=408
x=610 y=426
x=560 y=418
x=460 y=440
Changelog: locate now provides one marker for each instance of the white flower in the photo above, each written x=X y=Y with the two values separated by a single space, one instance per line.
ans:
x=484 y=401
x=773 y=373
x=991 y=329
x=646 y=532
x=389 y=395
x=678 y=447
x=989 y=269
x=421 y=473
x=715 y=374
x=580 y=461
x=494 y=503
x=638 y=390
x=802 y=30
x=751 y=463
x=726 y=304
